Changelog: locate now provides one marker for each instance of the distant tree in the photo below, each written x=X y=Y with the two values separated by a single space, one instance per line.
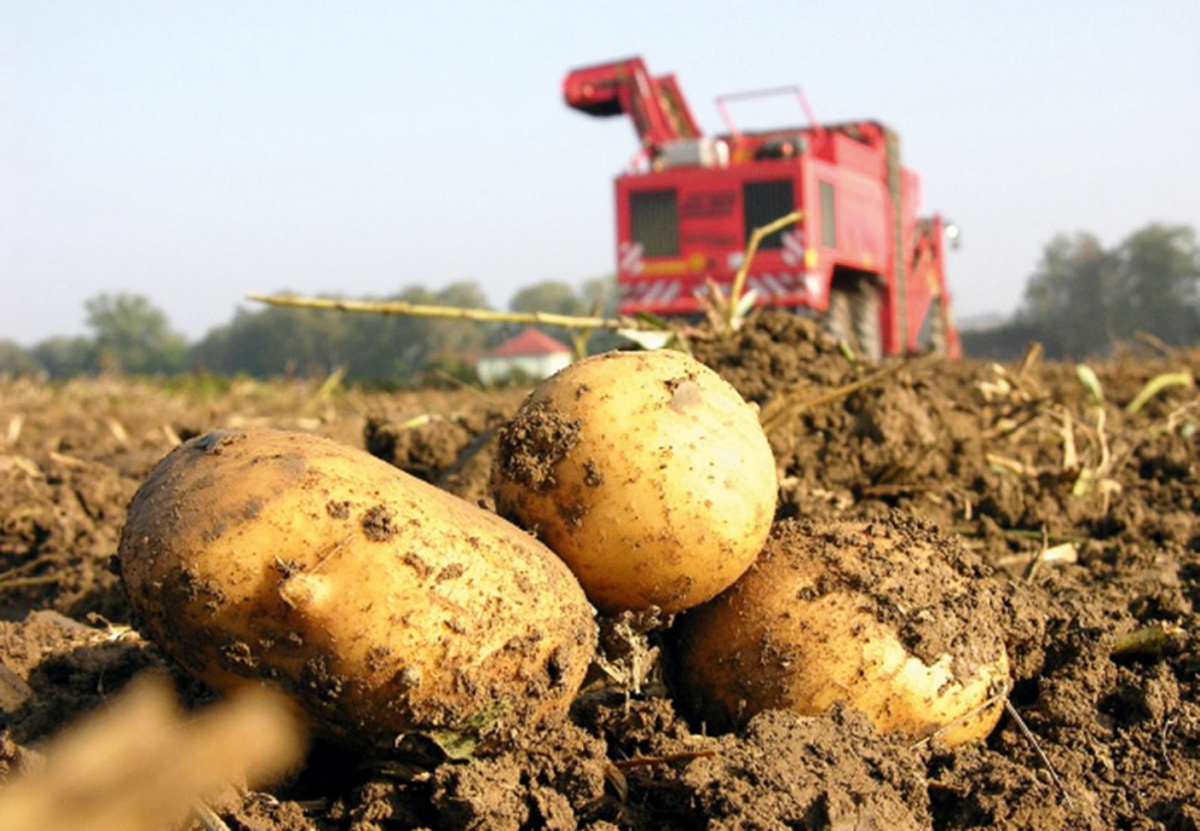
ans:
x=1070 y=297
x=377 y=348
x=132 y=336
x=594 y=297
x=600 y=294
x=424 y=344
x=15 y=360
x=459 y=337
x=553 y=296
x=1082 y=299
x=63 y=357
x=275 y=341
x=1158 y=284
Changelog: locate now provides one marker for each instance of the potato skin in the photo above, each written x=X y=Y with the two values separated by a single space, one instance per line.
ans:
x=383 y=605
x=646 y=472
x=838 y=612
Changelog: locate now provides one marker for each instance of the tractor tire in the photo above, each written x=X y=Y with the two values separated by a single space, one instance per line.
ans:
x=853 y=317
x=937 y=330
x=839 y=321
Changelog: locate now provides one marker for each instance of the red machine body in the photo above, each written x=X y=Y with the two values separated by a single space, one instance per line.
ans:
x=687 y=210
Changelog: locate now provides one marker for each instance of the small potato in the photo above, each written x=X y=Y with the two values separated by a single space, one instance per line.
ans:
x=891 y=617
x=646 y=472
x=381 y=604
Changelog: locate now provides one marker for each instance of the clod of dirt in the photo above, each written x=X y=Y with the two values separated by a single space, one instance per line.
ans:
x=453 y=450
x=781 y=771
x=537 y=439
x=786 y=771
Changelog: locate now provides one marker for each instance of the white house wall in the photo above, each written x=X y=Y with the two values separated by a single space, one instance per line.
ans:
x=536 y=367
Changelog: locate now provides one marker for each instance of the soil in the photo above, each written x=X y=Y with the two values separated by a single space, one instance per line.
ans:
x=1083 y=502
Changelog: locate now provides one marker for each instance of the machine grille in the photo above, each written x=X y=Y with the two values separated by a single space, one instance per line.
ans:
x=654 y=222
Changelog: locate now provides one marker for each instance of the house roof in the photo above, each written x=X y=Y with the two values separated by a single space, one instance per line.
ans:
x=529 y=342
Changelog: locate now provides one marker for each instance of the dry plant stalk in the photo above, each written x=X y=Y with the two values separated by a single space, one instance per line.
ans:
x=1037 y=749
x=1013 y=401
x=649 y=334
x=1185 y=418
x=14 y=429
x=400 y=307
x=731 y=310
x=735 y=308
x=141 y=765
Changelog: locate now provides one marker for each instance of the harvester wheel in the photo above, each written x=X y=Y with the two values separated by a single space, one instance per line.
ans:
x=853 y=316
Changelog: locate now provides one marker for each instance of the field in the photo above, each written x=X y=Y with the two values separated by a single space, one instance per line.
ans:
x=1086 y=494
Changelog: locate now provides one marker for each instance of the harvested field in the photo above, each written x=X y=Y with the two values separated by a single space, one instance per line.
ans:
x=1084 y=494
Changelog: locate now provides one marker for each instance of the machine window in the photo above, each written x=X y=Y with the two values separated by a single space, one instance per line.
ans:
x=654 y=222
x=765 y=202
x=828 y=216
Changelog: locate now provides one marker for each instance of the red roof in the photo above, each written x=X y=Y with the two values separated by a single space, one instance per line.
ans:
x=529 y=342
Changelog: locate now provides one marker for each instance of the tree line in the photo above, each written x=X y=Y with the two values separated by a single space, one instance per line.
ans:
x=128 y=335
x=1082 y=301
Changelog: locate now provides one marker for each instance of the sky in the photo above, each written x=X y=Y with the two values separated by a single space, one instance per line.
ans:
x=196 y=152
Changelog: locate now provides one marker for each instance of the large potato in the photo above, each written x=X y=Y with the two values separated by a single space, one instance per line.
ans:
x=646 y=472
x=383 y=605
x=890 y=617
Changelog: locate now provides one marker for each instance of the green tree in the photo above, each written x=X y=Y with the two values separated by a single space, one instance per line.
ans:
x=1158 y=284
x=379 y=348
x=15 y=360
x=411 y=347
x=63 y=357
x=1070 y=299
x=132 y=336
x=594 y=297
x=553 y=296
x=1082 y=299
x=460 y=337
x=600 y=294
x=276 y=341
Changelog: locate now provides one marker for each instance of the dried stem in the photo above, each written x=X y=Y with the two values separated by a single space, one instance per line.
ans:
x=400 y=307
x=22 y=582
x=208 y=818
x=739 y=281
x=647 y=761
x=1037 y=748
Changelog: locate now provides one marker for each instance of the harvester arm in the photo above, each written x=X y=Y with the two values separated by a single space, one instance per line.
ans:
x=659 y=111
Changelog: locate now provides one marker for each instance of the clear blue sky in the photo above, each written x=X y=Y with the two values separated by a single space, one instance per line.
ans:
x=195 y=152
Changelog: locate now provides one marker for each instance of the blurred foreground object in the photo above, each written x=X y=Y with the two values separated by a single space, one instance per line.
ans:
x=141 y=764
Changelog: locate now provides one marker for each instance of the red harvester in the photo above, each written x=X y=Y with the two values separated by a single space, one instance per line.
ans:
x=859 y=254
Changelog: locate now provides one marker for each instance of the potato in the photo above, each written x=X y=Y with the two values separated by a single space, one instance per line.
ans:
x=891 y=617
x=646 y=472
x=381 y=604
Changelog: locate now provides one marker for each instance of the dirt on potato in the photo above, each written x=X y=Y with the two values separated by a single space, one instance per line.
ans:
x=1085 y=500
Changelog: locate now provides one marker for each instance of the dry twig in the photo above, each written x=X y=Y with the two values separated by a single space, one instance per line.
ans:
x=647 y=761
x=1037 y=748
x=25 y=582
x=400 y=307
x=140 y=765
